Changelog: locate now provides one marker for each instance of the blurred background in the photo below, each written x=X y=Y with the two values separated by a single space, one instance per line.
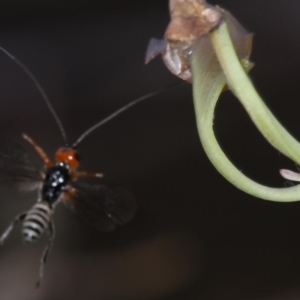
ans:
x=194 y=235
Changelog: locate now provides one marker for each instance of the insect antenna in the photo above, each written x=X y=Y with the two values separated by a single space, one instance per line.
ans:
x=121 y=110
x=42 y=92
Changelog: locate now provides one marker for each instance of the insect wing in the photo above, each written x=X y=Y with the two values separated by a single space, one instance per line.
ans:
x=101 y=206
x=16 y=168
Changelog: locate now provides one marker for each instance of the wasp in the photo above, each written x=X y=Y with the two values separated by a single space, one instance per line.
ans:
x=101 y=206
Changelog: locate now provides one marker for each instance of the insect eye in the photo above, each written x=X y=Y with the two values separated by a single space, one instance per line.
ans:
x=77 y=156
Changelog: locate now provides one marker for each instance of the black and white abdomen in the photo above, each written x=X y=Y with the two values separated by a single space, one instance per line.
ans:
x=36 y=221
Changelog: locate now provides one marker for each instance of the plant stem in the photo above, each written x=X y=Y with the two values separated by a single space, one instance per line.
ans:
x=207 y=89
x=244 y=90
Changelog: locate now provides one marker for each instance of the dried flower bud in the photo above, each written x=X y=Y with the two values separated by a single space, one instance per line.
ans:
x=190 y=19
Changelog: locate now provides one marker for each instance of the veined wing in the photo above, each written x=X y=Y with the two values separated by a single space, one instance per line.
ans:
x=16 y=168
x=101 y=206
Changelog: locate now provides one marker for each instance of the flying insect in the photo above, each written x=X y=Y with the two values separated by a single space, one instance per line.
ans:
x=102 y=206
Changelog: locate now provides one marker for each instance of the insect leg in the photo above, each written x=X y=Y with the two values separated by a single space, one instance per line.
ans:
x=6 y=233
x=75 y=175
x=68 y=194
x=51 y=232
x=39 y=150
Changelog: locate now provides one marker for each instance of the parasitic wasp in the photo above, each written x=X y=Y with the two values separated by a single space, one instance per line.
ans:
x=101 y=206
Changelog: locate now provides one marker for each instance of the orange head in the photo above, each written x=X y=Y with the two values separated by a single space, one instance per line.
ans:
x=67 y=155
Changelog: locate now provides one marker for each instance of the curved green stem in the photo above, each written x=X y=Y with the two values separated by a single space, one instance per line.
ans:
x=207 y=87
x=244 y=90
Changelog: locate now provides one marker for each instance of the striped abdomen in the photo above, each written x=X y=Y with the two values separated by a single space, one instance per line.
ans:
x=36 y=221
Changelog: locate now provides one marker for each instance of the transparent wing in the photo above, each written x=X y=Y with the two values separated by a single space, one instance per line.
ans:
x=16 y=168
x=101 y=206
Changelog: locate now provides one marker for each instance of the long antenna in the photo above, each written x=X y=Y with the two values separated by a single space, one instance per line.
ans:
x=121 y=110
x=42 y=92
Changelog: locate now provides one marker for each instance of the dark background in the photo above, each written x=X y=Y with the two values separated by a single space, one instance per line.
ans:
x=194 y=236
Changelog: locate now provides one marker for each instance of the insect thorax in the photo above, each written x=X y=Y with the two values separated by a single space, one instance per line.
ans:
x=55 y=183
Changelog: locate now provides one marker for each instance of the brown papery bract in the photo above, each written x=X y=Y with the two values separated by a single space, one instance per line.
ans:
x=190 y=19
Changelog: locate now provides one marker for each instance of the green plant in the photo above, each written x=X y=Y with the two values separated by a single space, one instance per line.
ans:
x=205 y=45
